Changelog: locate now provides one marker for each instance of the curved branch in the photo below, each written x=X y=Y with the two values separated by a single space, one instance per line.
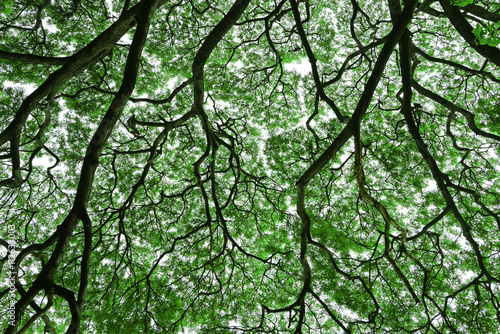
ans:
x=37 y=315
x=90 y=164
x=453 y=107
x=28 y=58
x=461 y=24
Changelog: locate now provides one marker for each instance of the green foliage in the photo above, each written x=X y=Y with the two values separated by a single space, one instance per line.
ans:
x=249 y=215
x=462 y=3
x=488 y=34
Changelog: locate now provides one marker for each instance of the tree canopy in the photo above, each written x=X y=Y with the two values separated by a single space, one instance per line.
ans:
x=281 y=166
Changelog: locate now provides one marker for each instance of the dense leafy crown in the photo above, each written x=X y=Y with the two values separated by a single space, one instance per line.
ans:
x=282 y=166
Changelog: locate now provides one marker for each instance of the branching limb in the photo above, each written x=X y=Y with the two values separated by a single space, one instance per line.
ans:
x=438 y=176
x=453 y=107
x=90 y=164
x=461 y=24
x=313 y=62
x=50 y=301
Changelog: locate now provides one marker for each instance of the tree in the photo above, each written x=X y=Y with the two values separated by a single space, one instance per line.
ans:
x=167 y=169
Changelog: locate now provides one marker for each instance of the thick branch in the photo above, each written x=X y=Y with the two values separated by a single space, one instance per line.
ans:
x=209 y=45
x=482 y=13
x=366 y=96
x=90 y=164
x=456 y=65
x=461 y=24
x=438 y=176
x=83 y=59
